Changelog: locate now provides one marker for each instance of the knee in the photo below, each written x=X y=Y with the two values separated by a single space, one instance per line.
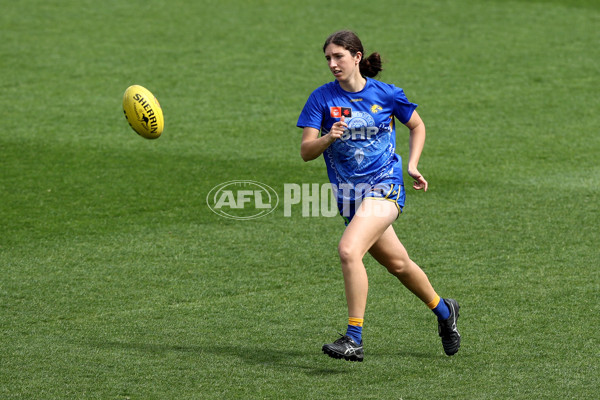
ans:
x=348 y=253
x=399 y=267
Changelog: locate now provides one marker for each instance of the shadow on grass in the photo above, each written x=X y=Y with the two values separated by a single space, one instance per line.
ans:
x=259 y=356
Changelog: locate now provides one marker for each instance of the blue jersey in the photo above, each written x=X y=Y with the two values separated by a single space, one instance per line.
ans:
x=365 y=154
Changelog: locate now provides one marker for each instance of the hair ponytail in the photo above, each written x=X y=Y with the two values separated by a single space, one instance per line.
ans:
x=369 y=66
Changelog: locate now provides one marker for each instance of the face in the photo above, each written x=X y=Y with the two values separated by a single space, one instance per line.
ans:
x=342 y=64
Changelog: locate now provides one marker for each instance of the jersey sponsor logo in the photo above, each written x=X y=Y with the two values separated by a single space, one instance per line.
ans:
x=360 y=128
x=360 y=133
x=338 y=112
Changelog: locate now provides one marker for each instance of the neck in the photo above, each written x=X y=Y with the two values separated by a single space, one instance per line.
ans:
x=355 y=84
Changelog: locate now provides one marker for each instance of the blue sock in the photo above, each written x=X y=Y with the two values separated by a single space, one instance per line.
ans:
x=355 y=333
x=441 y=310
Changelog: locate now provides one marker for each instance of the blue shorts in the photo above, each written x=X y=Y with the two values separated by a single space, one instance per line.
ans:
x=390 y=191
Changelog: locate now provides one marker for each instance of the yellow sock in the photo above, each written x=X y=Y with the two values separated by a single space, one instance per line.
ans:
x=439 y=308
x=434 y=303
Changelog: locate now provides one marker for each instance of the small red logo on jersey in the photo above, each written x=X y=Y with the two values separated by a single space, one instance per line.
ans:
x=338 y=112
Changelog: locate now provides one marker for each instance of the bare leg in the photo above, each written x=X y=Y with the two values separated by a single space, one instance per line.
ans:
x=372 y=219
x=390 y=253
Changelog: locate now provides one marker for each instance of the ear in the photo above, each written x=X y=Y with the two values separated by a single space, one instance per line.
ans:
x=358 y=57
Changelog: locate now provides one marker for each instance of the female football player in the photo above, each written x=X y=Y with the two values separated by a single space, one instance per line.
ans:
x=351 y=122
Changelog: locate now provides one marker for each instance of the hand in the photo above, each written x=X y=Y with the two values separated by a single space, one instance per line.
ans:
x=337 y=129
x=420 y=182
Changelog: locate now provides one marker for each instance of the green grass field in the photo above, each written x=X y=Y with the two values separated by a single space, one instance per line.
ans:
x=118 y=282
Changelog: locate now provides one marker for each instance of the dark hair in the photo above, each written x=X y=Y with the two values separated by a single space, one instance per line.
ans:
x=369 y=66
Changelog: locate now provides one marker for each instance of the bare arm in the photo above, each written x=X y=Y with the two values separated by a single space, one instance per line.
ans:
x=416 y=144
x=313 y=146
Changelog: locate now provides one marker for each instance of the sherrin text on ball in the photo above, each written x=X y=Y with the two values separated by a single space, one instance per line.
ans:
x=143 y=112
